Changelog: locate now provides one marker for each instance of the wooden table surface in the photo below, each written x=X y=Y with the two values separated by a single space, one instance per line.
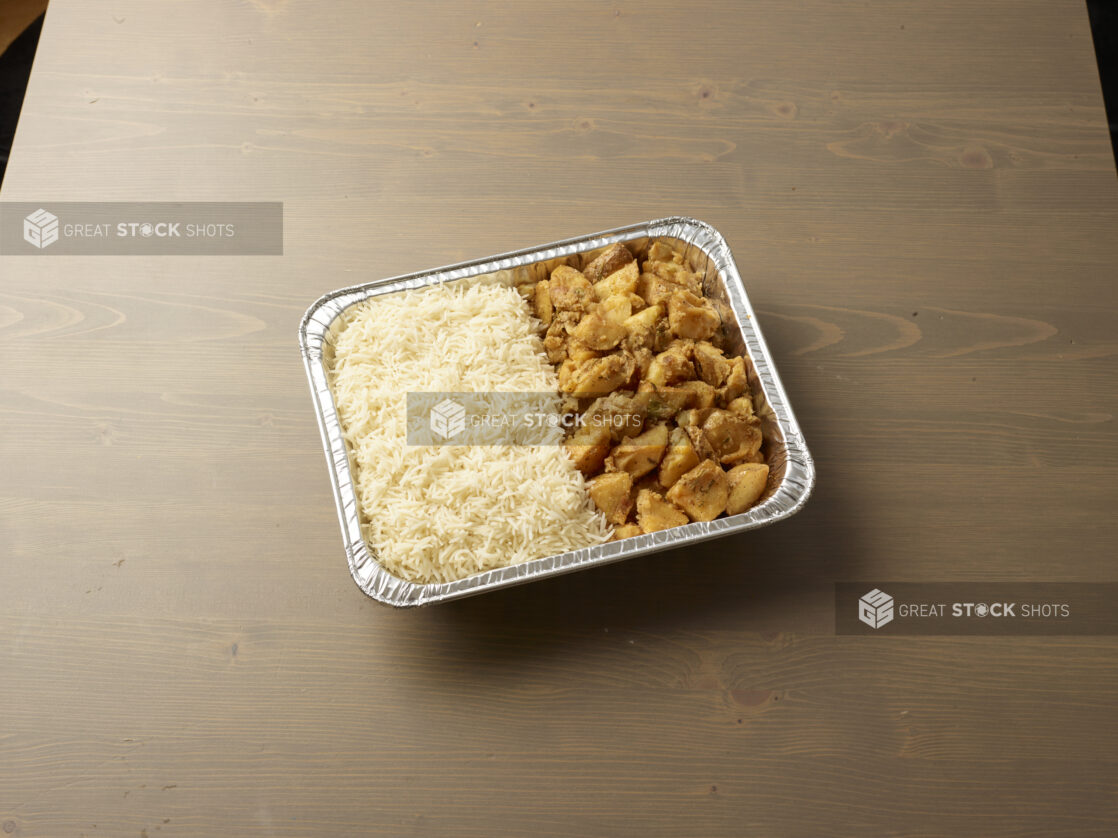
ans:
x=922 y=199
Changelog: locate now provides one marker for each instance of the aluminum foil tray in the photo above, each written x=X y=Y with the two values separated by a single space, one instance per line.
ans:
x=792 y=472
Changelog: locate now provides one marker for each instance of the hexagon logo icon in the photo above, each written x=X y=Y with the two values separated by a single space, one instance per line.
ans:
x=40 y=229
x=448 y=419
x=875 y=609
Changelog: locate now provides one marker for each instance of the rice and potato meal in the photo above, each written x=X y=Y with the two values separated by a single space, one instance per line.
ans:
x=667 y=432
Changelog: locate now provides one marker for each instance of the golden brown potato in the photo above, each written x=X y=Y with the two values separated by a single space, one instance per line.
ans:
x=542 y=301
x=609 y=260
x=665 y=402
x=621 y=282
x=679 y=459
x=595 y=376
x=636 y=301
x=578 y=351
x=699 y=440
x=626 y=531
x=741 y=406
x=654 y=513
x=737 y=381
x=660 y=252
x=641 y=327
x=711 y=363
x=693 y=416
x=702 y=492
x=676 y=274
x=615 y=309
x=704 y=394
x=670 y=367
x=640 y=454
x=621 y=412
x=610 y=493
x=690 y=316
x=588 y=447
x=732 y=438
x=570 y=290
x=655 y=290
x=598 y=332
x=747 y=484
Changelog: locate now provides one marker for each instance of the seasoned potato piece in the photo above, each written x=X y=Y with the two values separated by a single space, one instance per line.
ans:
x=626 y=531
x=732 y=438
x=654 y=513
x=642 y=327
x=699 y=440
x=595 y=376
x=670 y=367
x=711 y=363
x=660 y=252
x=702 y=492
x=615 y=309
x=620 y=282
x=704 y=393
x=655 y=290
x=691 y=316
x=558 y=334
x=542 y=302
x=679 y=459
x=747 y=484
x=609 y=260
x=737 y=382
x=622 y=413
x=643 y=359
x=665 y=402
x=588 y=447
x=640 y=454
x=598 y=332
x=676 y=274
x=636 y=301
x=570 y=290
x=693 y=416
x=610 y=493
x=741 y=406
x=577 y=350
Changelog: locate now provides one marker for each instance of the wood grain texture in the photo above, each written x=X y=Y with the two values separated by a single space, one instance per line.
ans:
x=922 y=200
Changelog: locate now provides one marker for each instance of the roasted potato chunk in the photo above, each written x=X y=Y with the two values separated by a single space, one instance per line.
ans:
x=732 y=438
x=702 y=492
x=598 y=332
x=704 y=394
x=595 y=376
x=747 y=484
x=622 y=413
x=640 y=454
x=665 y=402
x=588 y=447
x=541 y=300
x=675 y=273
x=654 y=513
x=621 y=282
x=670 y=367
x=570 y=290
x=615 y=309
x=711 y=363
x=610 y=493
x=660 y=252
x=741 y=406
x=690 y=316
x=641 y=328
x=608 y=261
x=737 y=381
x=655 y=290
x=626 y=531
x=679 y=459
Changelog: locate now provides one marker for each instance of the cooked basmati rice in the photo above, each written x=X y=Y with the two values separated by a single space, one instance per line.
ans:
x=439 y=513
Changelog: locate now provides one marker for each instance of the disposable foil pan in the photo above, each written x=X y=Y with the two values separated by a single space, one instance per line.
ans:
x=792 y=472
